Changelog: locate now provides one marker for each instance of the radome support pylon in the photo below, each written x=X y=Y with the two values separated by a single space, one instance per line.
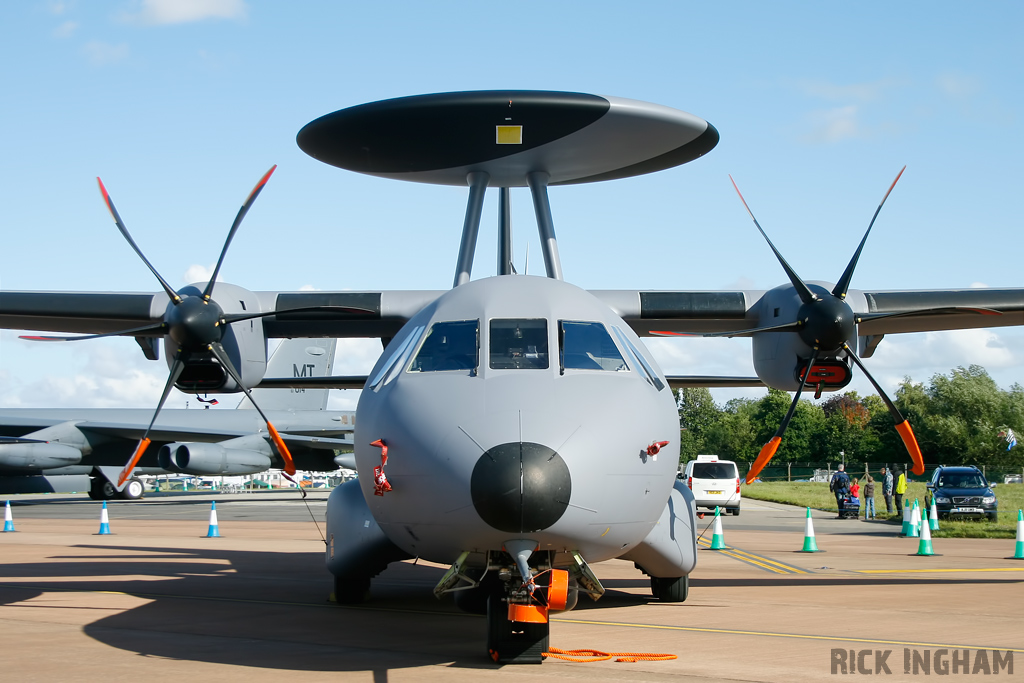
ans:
x=933 y=516
x=915 y=521
x=104 y=521
x=718 y=538
x=1019 y=551
x=214 y=531
x=924 y=547
x=8 y=519
x=810 y=544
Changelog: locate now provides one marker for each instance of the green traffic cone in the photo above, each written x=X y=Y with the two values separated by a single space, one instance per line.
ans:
x=810 y=545
x=718 y=538
x=933 y=516
x=905 y=530
x=915 y=521
x=1019 y=552
x=925 y=546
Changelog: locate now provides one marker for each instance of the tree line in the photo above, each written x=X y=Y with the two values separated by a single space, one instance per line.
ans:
x=959 y=419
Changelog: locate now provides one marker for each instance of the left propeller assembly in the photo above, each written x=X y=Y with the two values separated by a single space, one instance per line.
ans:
x=196 y=324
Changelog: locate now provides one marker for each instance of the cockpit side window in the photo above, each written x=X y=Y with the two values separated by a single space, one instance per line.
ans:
x=638 y=358
x=587 y=346
x=519 y=343
x=449 y=346
x=397 y=358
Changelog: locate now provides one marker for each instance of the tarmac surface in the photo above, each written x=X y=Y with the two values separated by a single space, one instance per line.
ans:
x=156 y=601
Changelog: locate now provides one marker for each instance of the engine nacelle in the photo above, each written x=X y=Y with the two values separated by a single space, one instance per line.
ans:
x=244 y=341
x=780 y=358
x=37 y=455
x=213 y=459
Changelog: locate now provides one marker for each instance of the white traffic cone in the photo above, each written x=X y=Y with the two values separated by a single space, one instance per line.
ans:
x=718 y=538
x=810 y=544
x=214 y=531
x=8 y=520
x=915 y=521
x=104 y=521
x=933 y=516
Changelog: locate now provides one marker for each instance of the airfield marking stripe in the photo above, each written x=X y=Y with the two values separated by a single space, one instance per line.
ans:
x=935 y=571
x=789 y=568
x=771 y=634
x=758 y=560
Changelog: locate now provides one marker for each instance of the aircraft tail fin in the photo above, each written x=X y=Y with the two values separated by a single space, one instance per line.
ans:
x=297 y=358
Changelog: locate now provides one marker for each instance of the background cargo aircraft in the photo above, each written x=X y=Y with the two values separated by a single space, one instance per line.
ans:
x=513 y=424
x=64 y=450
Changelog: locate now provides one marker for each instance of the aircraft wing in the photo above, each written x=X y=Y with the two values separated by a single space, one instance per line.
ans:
x=383 y=313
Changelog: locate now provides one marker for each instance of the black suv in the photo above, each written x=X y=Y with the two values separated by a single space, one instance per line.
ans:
x=963 y=492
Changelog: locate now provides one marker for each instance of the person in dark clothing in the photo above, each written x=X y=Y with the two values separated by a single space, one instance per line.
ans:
x=840 y=486
x=899 y=489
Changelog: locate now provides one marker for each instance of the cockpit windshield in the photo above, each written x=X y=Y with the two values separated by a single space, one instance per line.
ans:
x=519 y=343
x=587 y=346
x=448 y=346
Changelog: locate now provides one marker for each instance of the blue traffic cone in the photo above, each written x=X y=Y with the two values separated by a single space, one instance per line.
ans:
x=214 y=531
x=104 y=521
x=8 y=520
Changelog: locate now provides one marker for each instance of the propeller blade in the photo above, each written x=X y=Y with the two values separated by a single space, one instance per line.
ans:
x=844 y=282
x=176 y=367
x=806 y=295
x=218 y=350
x=768 y=450
x=903 y=427
x=124 y=231
x=783 y=327
x=234 y=227
x=159 y=327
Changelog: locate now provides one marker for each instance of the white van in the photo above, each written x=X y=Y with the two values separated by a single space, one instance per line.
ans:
x=714 y=482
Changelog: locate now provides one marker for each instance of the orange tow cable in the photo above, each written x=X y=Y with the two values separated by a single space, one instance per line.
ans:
x=588 y=655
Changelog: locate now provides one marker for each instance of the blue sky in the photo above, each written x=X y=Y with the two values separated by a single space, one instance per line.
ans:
x=181 y=106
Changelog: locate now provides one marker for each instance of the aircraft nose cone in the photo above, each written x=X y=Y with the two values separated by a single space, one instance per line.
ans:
x=520 y=487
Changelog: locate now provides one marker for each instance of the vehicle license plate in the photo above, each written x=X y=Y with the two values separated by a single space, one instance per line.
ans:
x=968 y=510
x=714 y=493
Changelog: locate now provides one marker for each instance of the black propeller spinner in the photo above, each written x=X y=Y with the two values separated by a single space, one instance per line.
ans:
x=825 y=322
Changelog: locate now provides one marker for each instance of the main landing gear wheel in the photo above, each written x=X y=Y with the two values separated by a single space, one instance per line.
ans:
x=133 y=490
x=510 y=642
x=350 y=590
x=673 y=589
x=101 y=489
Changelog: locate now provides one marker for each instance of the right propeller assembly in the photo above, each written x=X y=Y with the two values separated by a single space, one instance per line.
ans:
x=825 y=323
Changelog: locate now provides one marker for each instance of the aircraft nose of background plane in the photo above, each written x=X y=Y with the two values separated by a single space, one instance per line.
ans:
x=520 y=487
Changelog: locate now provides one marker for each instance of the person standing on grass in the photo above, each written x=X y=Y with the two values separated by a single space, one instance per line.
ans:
x=887 y=490
x=840 y=486
x=900 y=488
x=869 y=498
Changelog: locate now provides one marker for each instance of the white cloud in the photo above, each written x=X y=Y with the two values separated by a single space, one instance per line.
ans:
x=66 y=29
x=958 y=85
x=100 y=54
x=856 y=92
x=199 y=273
x=166 y=12
x=834 y=125
x=309 y=288
x=58 y=7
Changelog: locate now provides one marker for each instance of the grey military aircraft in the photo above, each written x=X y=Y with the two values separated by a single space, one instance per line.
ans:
x=512 y=427
x=65 y=450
